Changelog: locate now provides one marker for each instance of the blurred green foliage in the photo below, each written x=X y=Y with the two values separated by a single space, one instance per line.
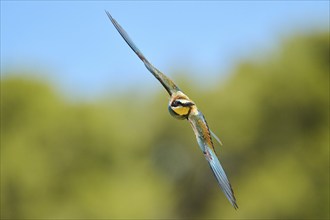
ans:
x=125 y=157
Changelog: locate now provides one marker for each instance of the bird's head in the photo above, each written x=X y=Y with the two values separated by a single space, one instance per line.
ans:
x=180 y=106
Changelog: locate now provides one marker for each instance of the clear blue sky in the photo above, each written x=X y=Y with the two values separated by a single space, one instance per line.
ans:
x=78 y=49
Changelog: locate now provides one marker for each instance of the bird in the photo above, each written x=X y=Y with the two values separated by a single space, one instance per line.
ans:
x=182 y=107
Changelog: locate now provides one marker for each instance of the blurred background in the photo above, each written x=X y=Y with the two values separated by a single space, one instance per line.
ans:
x=85 y=131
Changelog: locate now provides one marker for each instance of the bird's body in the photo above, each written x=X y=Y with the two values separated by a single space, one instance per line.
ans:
x=182 y=107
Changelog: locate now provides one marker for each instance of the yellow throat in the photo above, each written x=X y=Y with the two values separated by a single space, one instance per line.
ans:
x=181 y=110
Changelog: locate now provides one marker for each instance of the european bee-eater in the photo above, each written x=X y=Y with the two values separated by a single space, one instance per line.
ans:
x=182 y=107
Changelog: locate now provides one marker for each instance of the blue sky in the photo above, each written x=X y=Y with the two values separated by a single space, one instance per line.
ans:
x=74 y=45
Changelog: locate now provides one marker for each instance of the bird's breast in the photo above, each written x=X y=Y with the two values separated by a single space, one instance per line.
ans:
x=181 y=110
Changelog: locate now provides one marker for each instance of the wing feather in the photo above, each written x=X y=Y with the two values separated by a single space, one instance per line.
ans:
x=168 y=84
x=221 y=176
x=204 y=140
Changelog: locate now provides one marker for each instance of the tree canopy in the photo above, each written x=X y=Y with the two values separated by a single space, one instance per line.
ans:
x=127 y=158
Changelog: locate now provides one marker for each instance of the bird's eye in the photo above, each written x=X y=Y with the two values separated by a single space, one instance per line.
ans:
x=175 y=104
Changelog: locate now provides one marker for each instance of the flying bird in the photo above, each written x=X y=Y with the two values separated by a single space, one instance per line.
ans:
x=182 y=107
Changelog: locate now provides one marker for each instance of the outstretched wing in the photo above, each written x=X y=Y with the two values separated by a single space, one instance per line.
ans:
x=164 y=80
x=204 y=140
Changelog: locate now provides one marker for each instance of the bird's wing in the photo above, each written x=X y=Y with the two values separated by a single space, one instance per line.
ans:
x=168 y=84
x=204 y=140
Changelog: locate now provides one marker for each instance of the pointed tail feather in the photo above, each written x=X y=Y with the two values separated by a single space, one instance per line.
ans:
x=216 y=137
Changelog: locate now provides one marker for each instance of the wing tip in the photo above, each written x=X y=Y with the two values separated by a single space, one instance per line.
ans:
x=108 y=13
x=222 y=179
x=235 y=206
x=233 y=200
x=231 y=197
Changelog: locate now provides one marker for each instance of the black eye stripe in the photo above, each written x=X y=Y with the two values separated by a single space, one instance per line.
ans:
x=177 y=103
